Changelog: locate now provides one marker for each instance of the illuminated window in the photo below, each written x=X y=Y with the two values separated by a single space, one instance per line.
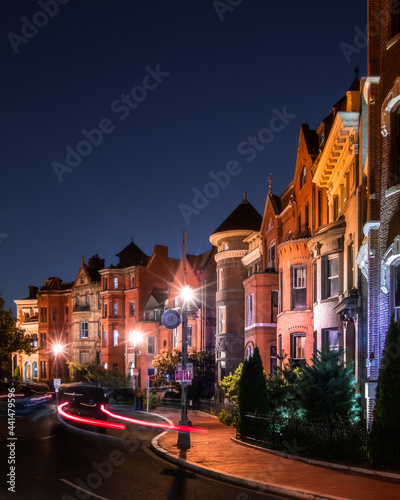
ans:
x=115 y=338
x=34 y=370
x=84 y=329
x=221 y=319
x=131 y=308
x=115 y=283
x=175 y=338
x=35 y=340
x=298 y=347
x=303 y=178
x=396 y=292
x=115 y=309
x=249 y=351
x=299 y=284
x=330 y=339
x=189 y=335
x=250 y=310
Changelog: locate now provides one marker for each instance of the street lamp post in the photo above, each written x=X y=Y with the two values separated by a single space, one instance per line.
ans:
x=184 y=437
x=135 y=338
x=57 y=349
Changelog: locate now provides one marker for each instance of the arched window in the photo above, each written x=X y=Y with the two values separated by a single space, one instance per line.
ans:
x=34 y=370
x=249 y=351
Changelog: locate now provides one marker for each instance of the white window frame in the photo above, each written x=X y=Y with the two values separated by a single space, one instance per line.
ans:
x=250 y=310
x=221 y=319
x=329 y=279
x=82 y=329
x=296 y=336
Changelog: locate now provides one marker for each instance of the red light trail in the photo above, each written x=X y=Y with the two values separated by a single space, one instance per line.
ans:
x=90 y=421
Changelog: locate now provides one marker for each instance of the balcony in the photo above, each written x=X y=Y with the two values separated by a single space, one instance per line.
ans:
x=83 y=307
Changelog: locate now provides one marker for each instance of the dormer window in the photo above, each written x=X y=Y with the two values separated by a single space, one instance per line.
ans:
x=82 y=278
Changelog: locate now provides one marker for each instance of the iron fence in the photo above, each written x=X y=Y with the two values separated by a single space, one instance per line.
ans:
x=326 y=441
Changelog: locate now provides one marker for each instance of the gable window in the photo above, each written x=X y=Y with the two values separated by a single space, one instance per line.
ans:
x=189 y=336
x=331 y=283
x=298 y=347
x=303 y=178
x=115 y=338
x=271 y=256
x=84 y=329
x=221 y=319
x=151 y=345
x=250 y=309
x=299 y=284
x=132 y=308
x=274 y=306
x=82 y=279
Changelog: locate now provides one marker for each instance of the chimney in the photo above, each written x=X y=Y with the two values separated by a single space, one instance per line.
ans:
x=32 y=292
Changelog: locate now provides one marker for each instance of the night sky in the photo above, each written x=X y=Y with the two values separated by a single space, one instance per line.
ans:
x=175 y=90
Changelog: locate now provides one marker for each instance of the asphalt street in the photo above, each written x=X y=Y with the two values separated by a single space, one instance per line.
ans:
x=58 y=461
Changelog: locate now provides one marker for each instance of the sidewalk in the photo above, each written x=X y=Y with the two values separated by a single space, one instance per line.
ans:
x=217 y=454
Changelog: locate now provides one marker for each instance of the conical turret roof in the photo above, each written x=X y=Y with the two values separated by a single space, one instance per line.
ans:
x=244 y=217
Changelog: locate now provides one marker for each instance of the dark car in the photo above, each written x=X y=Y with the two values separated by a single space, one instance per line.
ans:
x=84 y=399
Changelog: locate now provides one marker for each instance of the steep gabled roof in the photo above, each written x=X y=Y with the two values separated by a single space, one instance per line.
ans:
x=131 y=255
x=244 y=217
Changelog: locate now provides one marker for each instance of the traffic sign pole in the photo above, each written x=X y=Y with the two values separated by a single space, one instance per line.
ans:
x=184 y=437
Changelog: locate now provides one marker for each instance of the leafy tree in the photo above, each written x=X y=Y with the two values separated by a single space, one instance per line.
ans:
x=253 y=393
x=387 y=406
x=327 y=388
x=230 y=384
x=12 y=339
x=283 y=390
x=166 y=363
x=94 y=372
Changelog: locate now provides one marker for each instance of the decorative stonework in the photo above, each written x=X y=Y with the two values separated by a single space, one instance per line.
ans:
x=230 y=254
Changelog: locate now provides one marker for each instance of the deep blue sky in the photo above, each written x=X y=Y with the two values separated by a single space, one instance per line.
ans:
x=225 y=79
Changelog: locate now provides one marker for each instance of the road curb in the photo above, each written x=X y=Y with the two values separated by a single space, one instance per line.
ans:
x=311 y=461
x=237 y=481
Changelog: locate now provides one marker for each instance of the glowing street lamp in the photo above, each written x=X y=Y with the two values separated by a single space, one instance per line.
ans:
x=135 y=338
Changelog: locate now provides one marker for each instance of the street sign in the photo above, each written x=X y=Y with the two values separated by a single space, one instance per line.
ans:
x=171 y=319
x=57 y=383
x=135 y=372
x=184 y=375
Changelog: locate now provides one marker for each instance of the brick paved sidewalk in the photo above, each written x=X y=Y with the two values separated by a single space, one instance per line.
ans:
x=217 y=451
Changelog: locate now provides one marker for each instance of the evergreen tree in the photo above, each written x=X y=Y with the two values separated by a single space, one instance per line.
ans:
x=327 y=388
x=283 y=390
x=230 y=384
x=253 y=393
x=387 y=406
x=12 y=339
